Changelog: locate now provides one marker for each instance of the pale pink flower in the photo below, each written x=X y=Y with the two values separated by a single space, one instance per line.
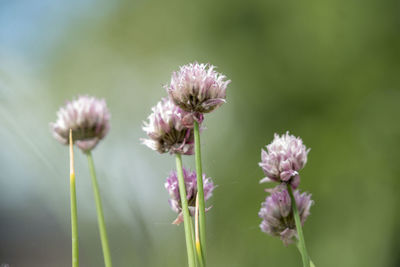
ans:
x=169 y=129
x=197 y=88
x=89 y=119
x=284 y=157
x=277 y=214
x=172 y=186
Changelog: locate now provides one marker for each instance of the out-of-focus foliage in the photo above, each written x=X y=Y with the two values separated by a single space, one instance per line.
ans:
x=328 y=71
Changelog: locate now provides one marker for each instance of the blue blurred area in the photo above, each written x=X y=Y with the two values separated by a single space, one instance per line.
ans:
x=326 y=71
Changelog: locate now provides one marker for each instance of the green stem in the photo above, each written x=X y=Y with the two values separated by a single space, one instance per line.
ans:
x=200 y=257
x=74 y=223
x=301 y=243
x=74 y=210
x=100 y=216
x=185 y=212
x=311 y=262
x=200 y=190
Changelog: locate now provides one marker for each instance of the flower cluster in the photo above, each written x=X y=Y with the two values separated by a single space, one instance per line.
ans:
x=198 y=88
x=172 y=187
x=277 y=214
x=89 y=119
x=194 y=90
x=169 y=129
x=285 y=156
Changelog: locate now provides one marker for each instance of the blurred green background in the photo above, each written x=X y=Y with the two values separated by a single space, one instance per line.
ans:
x=328 y=71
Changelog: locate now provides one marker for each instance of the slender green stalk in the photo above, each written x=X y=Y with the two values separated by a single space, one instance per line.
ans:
x=197 y=260
x=186 y=216
x=100 y=216
x=196 y=230
x=74 y=212
x=301 y=243
x=311 y=262
x=74 y=224
x=200 y=190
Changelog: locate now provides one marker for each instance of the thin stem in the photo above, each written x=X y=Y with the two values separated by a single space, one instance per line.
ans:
x=197 y=261
x=74 y=213
x=197 y=237
x=311 y=262
x=100 y=216
x=301 y=243
x=200 y=190
x=185 y=212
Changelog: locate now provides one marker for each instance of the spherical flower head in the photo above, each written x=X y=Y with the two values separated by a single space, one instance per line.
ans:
x=172 y=186
x=277 y=215
x=284 y=157
x=197 y=88
x=89 y=119
x=169 y=129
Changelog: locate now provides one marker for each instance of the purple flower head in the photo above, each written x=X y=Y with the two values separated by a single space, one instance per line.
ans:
x=89 y=119
x=169 y=129
x=277 y=215
x=172 y=186
x=197 y=88
x=284 y=157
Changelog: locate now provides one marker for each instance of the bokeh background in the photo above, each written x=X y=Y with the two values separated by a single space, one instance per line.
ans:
x=328 y=71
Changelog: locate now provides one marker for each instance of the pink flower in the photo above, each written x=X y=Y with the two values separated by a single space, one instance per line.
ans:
x=89 y=119
x=197 y=88
x=169 y=129
x=277 y=214
x=172 y=186
x=284 y=157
